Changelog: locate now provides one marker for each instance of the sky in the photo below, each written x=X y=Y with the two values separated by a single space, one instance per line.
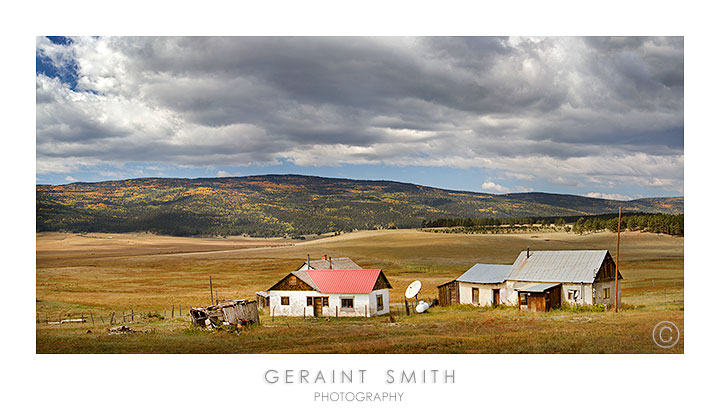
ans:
x=600 y=117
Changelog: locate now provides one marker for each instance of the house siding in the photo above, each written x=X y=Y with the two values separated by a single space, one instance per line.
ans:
x=298 y=304
x=485 y=293
x=599 y=289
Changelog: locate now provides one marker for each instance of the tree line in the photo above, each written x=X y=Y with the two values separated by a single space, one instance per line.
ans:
x=648 y=222
x=671 y=224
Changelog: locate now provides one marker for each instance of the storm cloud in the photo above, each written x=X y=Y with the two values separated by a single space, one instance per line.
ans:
x=565 y=110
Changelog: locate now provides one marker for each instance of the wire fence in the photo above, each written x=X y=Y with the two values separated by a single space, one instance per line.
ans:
x=132 y=315
x=111 y=317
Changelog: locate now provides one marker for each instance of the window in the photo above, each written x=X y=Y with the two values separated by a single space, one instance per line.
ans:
x=285 y=301
x=606 y=292
x=347 y=303
x=523 y=299
x=380 y=302
x=309 y=301
x=325 y=301
x=293 y=280
x=572 y=295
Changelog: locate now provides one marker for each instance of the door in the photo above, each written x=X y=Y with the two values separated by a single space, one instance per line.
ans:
x=536 y=302
x=496 y=297
x=475 y=296
x=317 y=306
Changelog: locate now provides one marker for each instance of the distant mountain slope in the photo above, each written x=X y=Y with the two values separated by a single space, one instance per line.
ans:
x=272 y=205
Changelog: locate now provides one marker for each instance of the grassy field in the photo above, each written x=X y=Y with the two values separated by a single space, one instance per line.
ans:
x=145 y=273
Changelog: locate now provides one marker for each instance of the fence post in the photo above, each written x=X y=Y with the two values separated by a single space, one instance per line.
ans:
x=112 y=318
x=336 y=312
x=172 y=312
x=132 y=315
x=180 y=310
x=91 y=318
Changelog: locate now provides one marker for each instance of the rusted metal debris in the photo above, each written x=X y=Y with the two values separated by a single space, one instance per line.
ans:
x=121 y=329
x=238 y=313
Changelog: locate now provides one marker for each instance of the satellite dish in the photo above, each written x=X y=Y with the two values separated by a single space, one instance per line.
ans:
x=413 y=289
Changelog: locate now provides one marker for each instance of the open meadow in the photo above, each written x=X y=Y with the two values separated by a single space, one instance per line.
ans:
x=144 y=273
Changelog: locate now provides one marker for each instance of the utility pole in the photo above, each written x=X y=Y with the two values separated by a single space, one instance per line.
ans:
x=617 y=259
x=211 y=293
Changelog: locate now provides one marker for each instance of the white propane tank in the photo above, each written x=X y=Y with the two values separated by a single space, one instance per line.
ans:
x=422 y=307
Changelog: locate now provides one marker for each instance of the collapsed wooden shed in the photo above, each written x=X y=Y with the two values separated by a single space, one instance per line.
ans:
x=236 y=312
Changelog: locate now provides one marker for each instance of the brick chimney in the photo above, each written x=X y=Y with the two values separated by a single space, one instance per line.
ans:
x=528 y=253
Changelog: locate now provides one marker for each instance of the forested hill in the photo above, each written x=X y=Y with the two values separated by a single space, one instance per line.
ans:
x=276 y=205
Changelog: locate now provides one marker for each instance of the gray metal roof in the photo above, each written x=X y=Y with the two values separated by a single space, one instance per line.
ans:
x=558 y=266
x=486 y=274
x=337 y=263
x=539 y=287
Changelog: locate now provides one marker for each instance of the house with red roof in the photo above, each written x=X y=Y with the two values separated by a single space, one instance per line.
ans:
x=331 y=293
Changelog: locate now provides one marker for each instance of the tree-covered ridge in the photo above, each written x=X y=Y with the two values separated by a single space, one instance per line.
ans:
x=276 y=205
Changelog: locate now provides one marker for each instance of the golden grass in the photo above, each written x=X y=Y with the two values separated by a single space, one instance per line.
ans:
x=150 y=273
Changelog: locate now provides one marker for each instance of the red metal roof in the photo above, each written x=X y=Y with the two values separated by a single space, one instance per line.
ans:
x=345 y=281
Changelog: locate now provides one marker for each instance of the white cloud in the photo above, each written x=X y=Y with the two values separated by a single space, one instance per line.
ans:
x=70 y=179
x=610 y=196
x=491 y=186
x=568 y=111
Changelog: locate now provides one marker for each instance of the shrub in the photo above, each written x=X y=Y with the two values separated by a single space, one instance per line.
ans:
x=583 y=308
x=151 y=316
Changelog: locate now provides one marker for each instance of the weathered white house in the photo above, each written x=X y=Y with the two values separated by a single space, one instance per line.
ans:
x=331 y=292
x=586 y=276
x=482 y=285
x=537 y=280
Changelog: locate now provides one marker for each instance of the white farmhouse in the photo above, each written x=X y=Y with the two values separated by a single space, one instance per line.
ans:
x=331 y=292
x=585 y=276
x=537 y=280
